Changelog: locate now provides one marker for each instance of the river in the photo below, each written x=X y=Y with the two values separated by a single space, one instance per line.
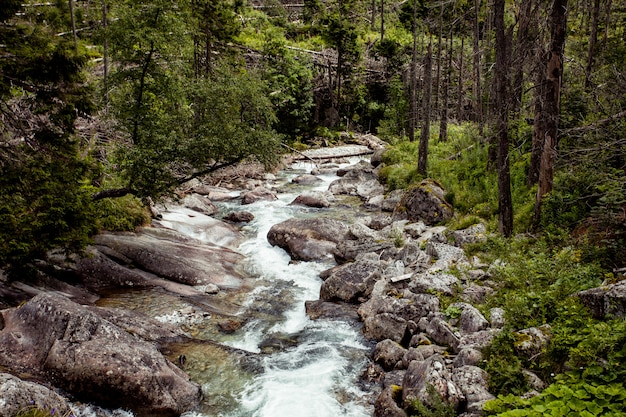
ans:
x=293 y=366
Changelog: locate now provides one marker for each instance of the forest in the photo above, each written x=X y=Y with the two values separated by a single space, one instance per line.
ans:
x=517 y=107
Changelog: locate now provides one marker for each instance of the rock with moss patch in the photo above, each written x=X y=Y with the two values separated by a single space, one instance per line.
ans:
x=426 y=202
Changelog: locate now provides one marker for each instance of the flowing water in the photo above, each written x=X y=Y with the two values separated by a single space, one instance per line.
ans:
x=279 y=363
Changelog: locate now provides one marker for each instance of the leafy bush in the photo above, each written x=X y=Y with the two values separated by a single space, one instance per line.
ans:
x=123 y=214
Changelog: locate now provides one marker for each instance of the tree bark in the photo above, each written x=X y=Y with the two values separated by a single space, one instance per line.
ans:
x=523 y=41
x=477 y=93
x=505 y=202
x=593 y=38
x=538 y=120
x=422 y=160
x=413 y=81
x=105 y=54
x=73 y=20
x=443 y=122
x=552 y=99
x=459 y=104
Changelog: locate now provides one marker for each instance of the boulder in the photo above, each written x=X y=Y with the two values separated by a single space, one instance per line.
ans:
x=532 y=341
x=471 y=320
x=308 y=239
x=412 y=354
x=180 y=223
x=427 y=282
x=216 y=193
x=446 y=256
x=440 y=331
x=478 y=340
x=93 y=359
x=351 y=281
x=473 y=234
x=258 y=194
x=199 y=203
x=607 y=300
x=476 y=293
x=358 y=180
x=306 y=179
x=349 y=250
x=171 y=256
x=388 y=354
x=426 y=202
x=410 y=307
x=315 y=199
x=17 y=395
x=473 y=383
x=496 y=316
x=385 y=326
x=468 y=356
x=319 y=309
x=239 y=217
x=386 y=404
x=431 y=372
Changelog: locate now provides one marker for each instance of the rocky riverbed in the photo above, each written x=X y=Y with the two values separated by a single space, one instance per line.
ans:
x=392 y=261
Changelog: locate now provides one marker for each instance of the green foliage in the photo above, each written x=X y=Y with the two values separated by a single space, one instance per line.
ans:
x=45 y=193
x=123 y=214
x=504 y=367
x=435 y=406
x=41 y=412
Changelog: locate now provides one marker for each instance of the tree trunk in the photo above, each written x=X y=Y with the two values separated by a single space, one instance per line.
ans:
x=593 y=38
x=459 y=104
x=439 y=46
x=538 y=120
x=73 y=19
x=552 y=99
x=522 y=46
x=443 y=122
x=382 y=20
x=422 y=159
x=505 y=204
x=477 y=93
x=413 y=82
x=105 y=54
x=373 y=17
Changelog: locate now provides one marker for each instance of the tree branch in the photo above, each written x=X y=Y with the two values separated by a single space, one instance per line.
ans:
x=599 y=123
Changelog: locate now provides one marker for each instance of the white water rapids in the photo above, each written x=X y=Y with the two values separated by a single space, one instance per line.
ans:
x=316 y=372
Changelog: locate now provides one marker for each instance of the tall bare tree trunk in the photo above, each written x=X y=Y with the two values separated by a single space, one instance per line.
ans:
x=422 y=160
x=443 y=122
x=538 y=120
x=459 y=104
x=73 y=19
x=477 y=93
x=105 y=54
x=413 y=82
x=593 y=38
x=505 y=202
x=439 y=47
x=382 y=20
x=523 y=42
x=552 y=100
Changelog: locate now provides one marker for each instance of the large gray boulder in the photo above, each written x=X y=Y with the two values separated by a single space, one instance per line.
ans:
x=358 y=180
x=473 y=383
x=199 y=203
x=258 y=194
x=169 y=255
x=315 y=199
x=388 y=354
x=426 y=202
x=17 y=395
x=385 y=326
x=308 y=239
x=386 y=404
x=92 y=358
x=430 y=372
x=352 y=281
x=607 y=300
